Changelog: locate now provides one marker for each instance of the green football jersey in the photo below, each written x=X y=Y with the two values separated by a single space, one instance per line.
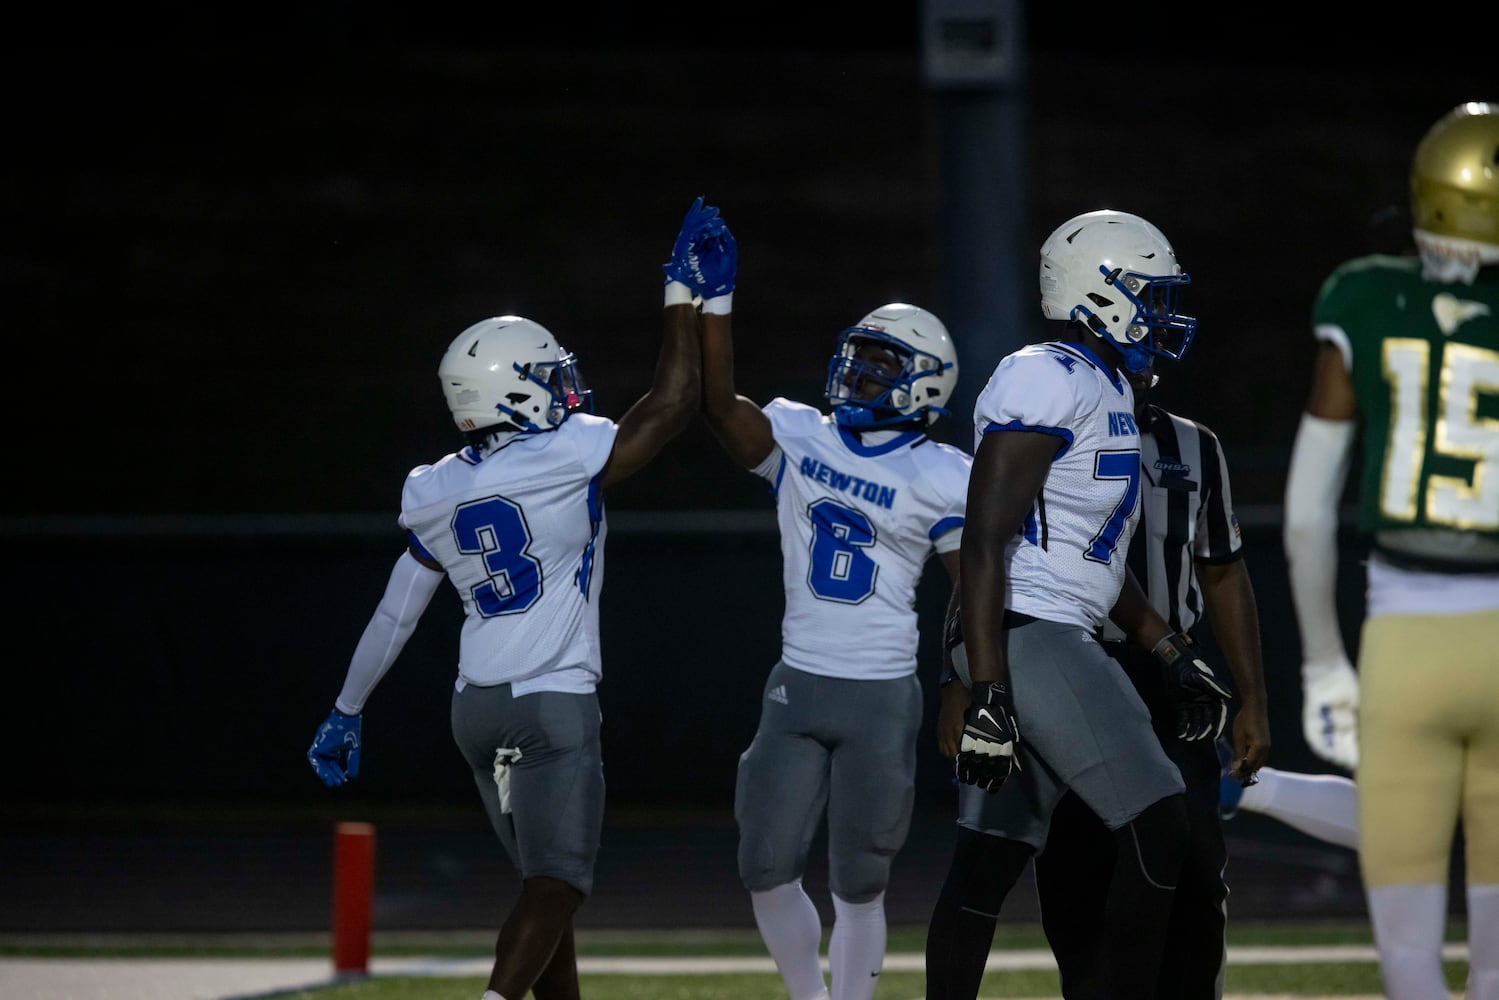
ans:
x=1425 y=374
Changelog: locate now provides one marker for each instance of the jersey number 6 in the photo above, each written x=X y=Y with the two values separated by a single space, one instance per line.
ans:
x=841 y=570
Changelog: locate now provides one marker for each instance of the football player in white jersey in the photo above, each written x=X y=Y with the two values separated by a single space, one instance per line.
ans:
x=1187 y=553
x=515 y=521
x=863 y=499
x=1054 y=494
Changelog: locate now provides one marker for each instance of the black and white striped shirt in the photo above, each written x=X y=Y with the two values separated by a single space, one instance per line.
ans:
x=1186 y=514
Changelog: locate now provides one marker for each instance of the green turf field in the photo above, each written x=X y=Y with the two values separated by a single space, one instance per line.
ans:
x=1286 y=978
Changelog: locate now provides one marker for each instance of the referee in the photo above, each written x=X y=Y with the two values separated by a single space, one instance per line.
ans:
x=1188 y=555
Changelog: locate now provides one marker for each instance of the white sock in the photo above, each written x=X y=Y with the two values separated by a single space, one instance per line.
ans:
x=1408 y=924
x=856 y=952
x=1483 y=942
x=792 y=932
x=491 y=995
x=1322 y=805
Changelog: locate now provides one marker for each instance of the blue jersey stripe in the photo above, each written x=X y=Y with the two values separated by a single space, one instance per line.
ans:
x=943 y=526
x=421 y=550
x=1015 y=425
x=596 y=518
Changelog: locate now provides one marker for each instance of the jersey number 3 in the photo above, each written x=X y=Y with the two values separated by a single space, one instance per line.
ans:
x=495 y=530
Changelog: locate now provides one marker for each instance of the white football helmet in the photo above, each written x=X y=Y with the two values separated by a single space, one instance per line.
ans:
x=1117 y=273
x=915 y=394
x=509 y=369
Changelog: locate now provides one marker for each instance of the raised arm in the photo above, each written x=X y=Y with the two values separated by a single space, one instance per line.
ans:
x=738 y=423
x=740 y=426
x=667 y=407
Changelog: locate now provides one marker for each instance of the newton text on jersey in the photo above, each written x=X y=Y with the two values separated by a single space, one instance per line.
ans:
x=1122 y=424
x=852 y=485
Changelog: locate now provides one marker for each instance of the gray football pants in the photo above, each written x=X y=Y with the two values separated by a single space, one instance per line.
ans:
x=846 y=747
x=1082 y=726
x=552 y=821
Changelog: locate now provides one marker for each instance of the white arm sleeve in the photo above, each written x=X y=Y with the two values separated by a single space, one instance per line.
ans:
x=407 y=594
x=1314 y=487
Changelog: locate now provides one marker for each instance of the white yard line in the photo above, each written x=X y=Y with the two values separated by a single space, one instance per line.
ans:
x=226 y=979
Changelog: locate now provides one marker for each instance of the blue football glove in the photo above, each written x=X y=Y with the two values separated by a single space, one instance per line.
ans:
x=697 y=219
x=1201 y=693
x=712 y=260
x=334 y=753
x=989 y=751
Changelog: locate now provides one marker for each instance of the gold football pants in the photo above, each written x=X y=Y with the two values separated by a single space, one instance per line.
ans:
x=1428 y=747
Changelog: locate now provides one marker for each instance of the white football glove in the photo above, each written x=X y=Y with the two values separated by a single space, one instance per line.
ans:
x=1329 y=710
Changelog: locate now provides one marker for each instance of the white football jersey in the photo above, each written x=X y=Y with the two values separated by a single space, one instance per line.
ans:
x=858 y=519
x=1067 y=562
x=520 y=533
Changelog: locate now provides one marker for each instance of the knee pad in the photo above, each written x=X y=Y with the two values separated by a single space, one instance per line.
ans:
x=1154 y=842
x=861 y=877
x=983 y=871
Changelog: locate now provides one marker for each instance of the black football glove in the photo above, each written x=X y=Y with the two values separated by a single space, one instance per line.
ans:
x=1201 y=693
x=990 y=748
x=954 y=653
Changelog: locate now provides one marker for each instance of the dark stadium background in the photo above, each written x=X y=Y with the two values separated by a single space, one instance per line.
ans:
x=237 y=242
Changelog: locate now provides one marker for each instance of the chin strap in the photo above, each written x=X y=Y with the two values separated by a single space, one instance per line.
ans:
x=1136 y=358
x=856 y=419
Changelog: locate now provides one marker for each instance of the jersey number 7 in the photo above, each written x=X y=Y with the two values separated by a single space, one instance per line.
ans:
x=1115 y=465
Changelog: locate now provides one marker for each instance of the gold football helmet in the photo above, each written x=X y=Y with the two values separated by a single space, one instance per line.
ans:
x=1455 y=177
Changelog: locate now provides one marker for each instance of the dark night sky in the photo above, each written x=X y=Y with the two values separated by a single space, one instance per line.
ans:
x=236 y=244
x=235 y=241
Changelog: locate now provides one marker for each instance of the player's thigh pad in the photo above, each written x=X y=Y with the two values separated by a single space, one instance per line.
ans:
x=781 y=787
x=1080 y=714
x=1428 y=746
x=1020 y=810
x=873 y=780
x=557 y=785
